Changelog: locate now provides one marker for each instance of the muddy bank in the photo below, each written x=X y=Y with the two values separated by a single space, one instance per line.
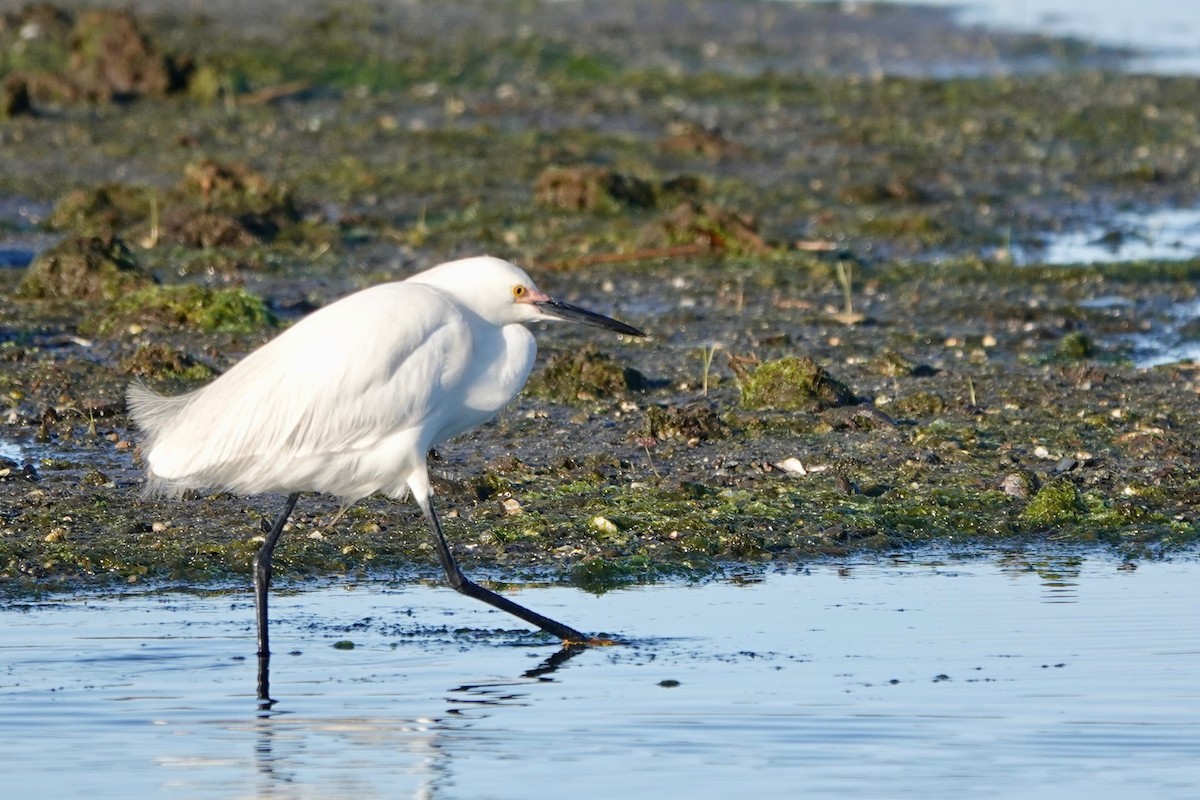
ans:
x=761 y=212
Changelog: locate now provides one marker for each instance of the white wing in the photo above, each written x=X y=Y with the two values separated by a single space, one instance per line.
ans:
x=371 y=367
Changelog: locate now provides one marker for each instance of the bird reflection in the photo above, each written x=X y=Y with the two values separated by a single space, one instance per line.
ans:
x=505 y=692
x=556 y=660
x=280 y=747
x=541 y=672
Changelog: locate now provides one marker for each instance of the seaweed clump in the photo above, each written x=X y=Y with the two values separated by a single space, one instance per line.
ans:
x=706 y=227
x=585 y=374
x=104 y=210
x=693 y=423
x=591 y=188
x=159 y=360
x=215 y=204
x=227 y=310
x=97 y=56
x=789 y=384
x=1057 y=502
x=85 y=268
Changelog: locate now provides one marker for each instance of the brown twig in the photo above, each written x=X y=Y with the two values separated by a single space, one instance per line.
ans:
x=632 y=255
x=271 y=93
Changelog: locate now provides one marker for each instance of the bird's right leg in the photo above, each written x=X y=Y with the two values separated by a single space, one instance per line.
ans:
x=461 y=584
x=262 y=572
x=262 y=583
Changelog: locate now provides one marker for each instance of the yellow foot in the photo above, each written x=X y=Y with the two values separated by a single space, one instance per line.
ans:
x=594 y=641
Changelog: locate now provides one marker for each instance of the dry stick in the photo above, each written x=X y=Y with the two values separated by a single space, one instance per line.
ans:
x=273 y=93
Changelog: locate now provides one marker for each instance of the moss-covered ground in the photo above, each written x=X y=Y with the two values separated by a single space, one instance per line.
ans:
x=773 y=210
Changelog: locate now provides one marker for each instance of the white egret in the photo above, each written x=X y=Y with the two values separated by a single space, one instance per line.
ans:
x=350 y=399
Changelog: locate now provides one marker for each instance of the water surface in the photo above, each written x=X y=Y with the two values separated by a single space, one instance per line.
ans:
x=1033 y=677
x=1166 y=33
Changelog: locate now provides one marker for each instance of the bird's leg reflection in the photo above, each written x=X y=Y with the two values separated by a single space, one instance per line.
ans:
x=555 y=661
x=264 y=682
x=475 y=696
x=461 y=584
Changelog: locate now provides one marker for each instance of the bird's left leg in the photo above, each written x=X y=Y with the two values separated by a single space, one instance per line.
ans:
x=462 y=584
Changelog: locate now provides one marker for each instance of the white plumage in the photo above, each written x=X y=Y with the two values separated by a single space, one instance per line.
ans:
x=350 y=399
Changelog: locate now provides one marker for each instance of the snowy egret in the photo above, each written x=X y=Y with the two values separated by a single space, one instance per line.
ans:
x=350 y=399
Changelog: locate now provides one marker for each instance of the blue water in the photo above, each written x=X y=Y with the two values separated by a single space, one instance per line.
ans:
x=1005 y=677
x=1165 y=33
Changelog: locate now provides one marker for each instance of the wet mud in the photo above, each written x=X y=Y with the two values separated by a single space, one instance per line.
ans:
x=844 y=355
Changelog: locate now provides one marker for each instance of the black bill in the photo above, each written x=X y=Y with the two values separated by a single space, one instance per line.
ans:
x=566 y=311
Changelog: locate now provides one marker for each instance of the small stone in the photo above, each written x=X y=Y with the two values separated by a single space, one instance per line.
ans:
x=1014 y=484
x=791 y=465
x=605 y=526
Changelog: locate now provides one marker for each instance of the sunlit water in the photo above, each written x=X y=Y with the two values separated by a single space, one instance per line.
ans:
x=1011 y=678
x=1166 y=33
x=1155 y=235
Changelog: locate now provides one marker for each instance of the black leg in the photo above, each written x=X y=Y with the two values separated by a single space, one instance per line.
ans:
x=460 y=583
x=262 y=572
x=262 y=583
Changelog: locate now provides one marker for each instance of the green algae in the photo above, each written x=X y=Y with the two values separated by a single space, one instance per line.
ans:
x=84 y=268
x=582 y=375
x=204 y=308
x=104 y=210
x=1076 y=346
x=215 y=204
x=791 y=384
x=162 y=361
x=1056 y=503
x=694 y=423
x=917 y=404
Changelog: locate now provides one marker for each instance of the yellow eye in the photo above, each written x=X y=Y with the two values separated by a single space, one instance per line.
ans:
x=519 y=291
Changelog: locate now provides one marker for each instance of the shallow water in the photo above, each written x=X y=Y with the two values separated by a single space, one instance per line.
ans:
x=1049 y=676
x=1165 y=32
x=1171 y=341
x=1171 y=234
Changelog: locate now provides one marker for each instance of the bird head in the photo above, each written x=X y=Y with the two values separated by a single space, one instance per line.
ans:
x=503 y=294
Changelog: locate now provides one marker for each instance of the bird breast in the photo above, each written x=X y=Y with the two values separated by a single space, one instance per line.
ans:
x=498 y=369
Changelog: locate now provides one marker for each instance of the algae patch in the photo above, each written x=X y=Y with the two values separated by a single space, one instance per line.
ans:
x=1056 y=503
x=693 y=423
x=789 y=384
x=58 y=56
x=214 y=204
x=229 y=310
x=592 y=188
x=158 y=360
x=585 y=374
x=85 y=268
